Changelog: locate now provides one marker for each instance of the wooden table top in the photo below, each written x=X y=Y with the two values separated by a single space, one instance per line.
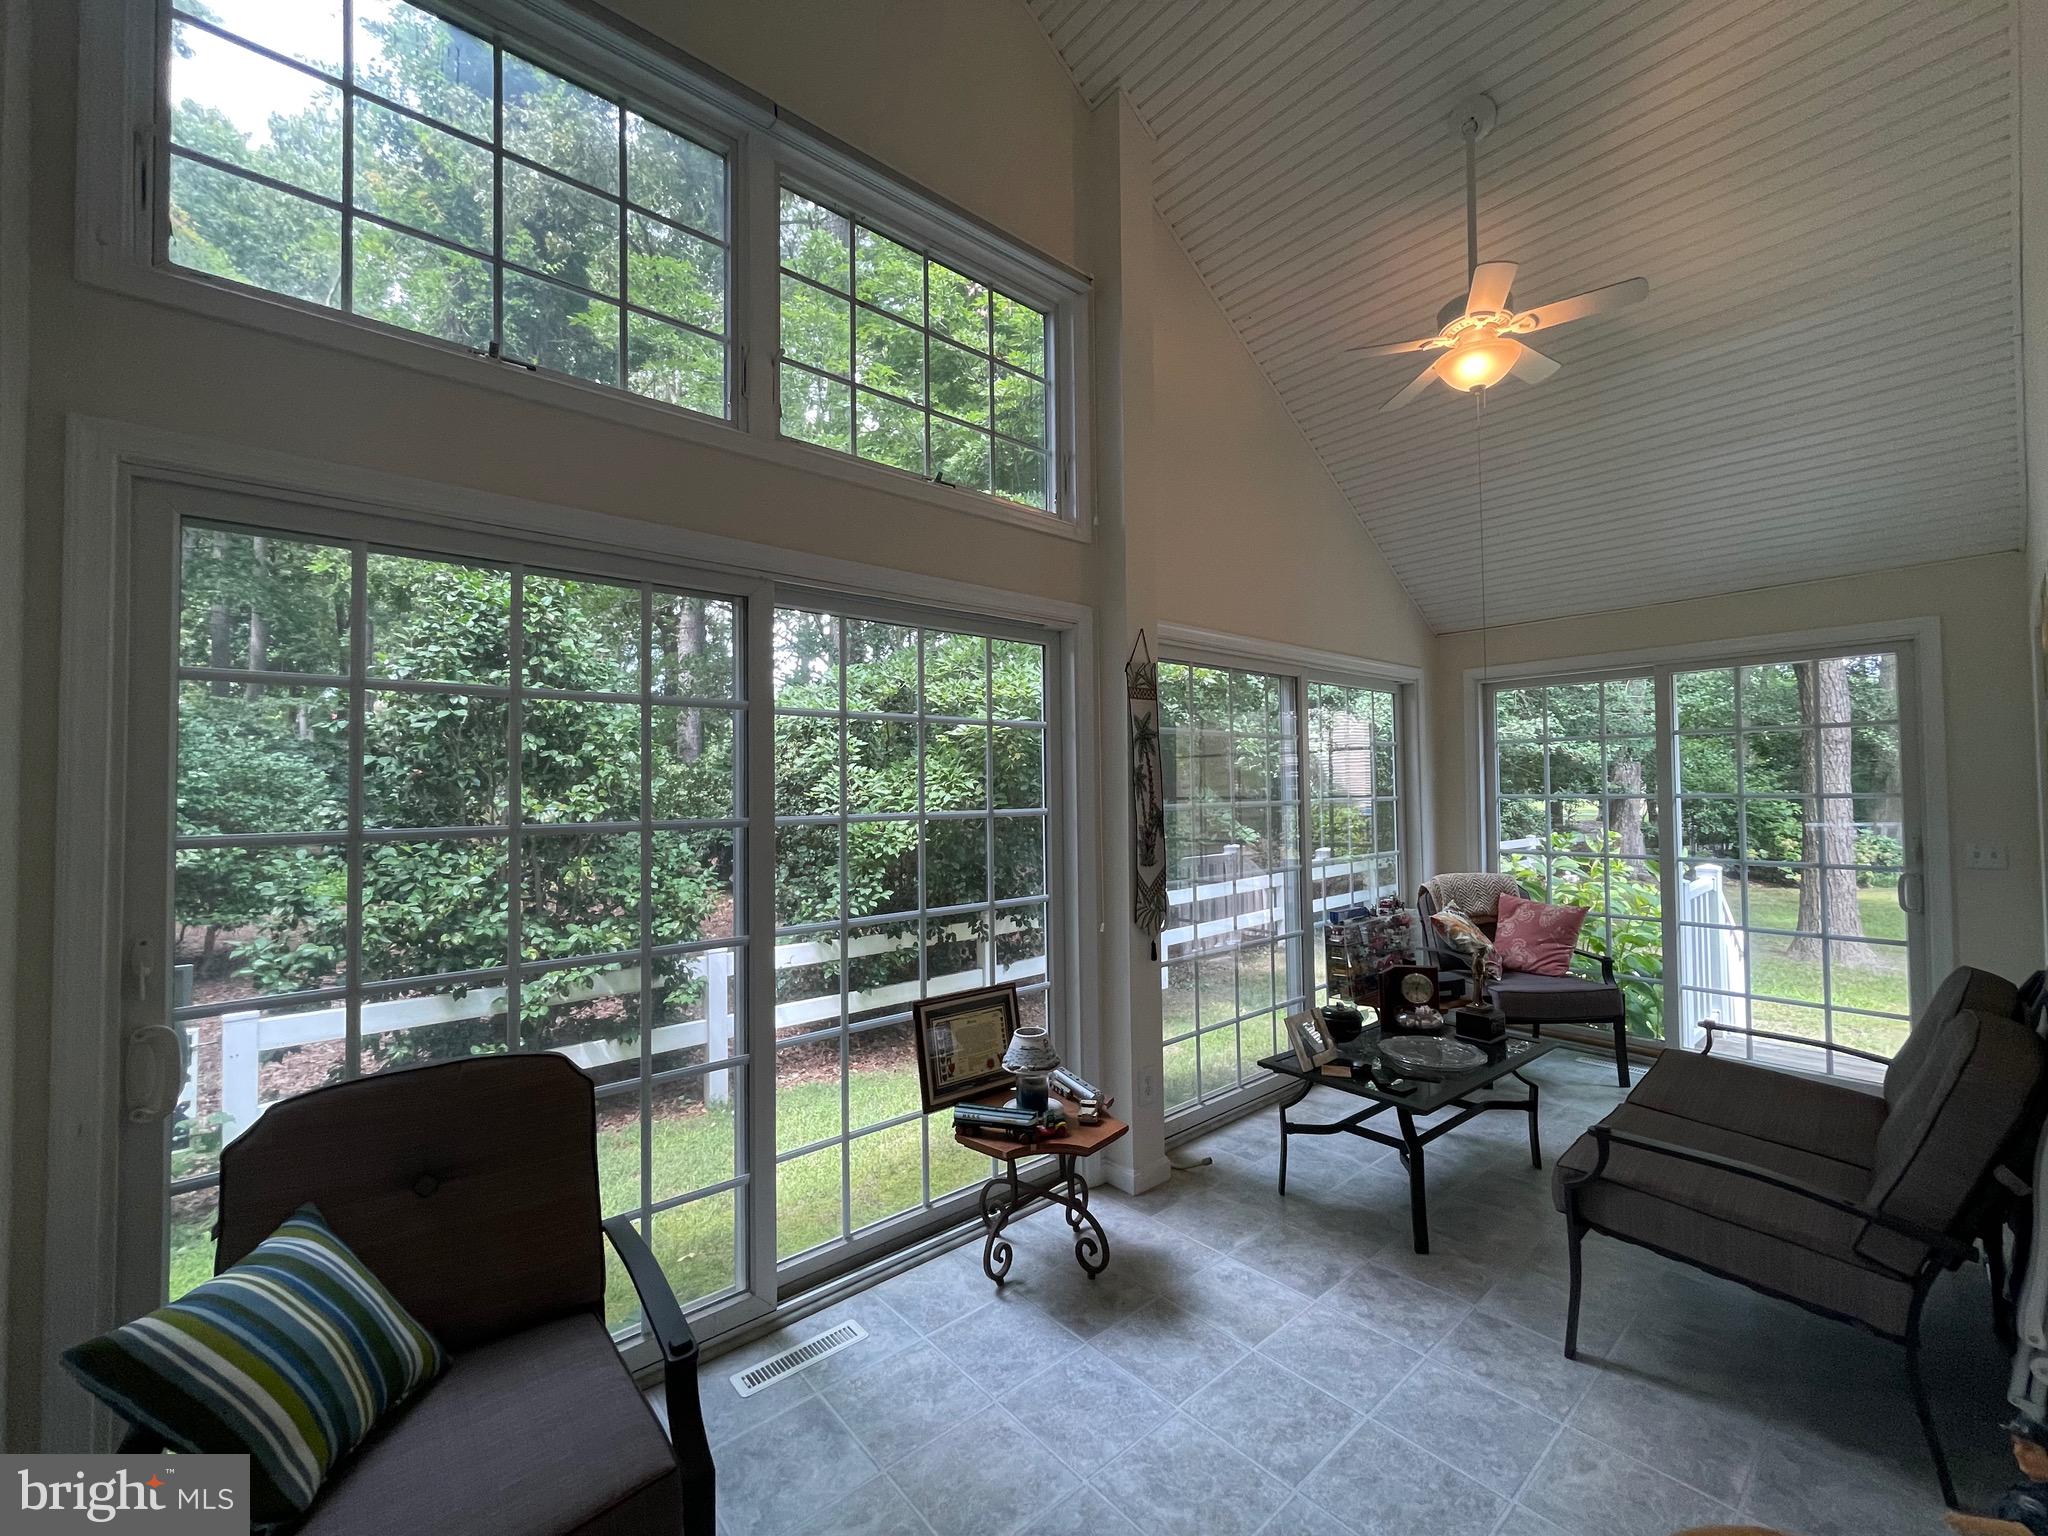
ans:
x=1077 y=1140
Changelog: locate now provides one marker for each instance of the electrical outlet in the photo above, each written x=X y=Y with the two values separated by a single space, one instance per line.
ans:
x=1147 y=1090
x=1983 y=856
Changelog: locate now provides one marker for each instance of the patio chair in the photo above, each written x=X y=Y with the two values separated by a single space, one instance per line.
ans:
x=470 y=1189
x=1526 y=1000
x=1844 y=1202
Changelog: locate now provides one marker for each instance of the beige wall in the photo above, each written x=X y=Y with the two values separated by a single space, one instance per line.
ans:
x=1985 y=681
x=981 y=112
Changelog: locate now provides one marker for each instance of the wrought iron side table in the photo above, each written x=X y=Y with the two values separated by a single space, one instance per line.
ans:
x=1006 y=1196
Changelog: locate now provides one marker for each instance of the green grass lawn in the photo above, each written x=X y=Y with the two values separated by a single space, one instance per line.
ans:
x=695 y=1243
x=1879 y=985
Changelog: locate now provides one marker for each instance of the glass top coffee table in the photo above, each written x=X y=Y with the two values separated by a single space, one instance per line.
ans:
x=1410 y=1099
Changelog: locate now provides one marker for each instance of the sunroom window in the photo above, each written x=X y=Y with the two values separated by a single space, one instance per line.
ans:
x=896 y=357
x=371 y=157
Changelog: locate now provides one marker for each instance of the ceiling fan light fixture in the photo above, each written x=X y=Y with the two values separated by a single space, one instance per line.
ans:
x=1480 y=364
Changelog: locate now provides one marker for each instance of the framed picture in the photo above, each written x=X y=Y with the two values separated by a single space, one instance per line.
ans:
x=1311 y=1040
x=960 y=1043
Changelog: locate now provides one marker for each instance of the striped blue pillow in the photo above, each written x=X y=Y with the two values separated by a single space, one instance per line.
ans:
x=292 y=1355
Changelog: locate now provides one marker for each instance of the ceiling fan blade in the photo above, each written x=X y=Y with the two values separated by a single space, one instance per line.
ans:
x=1491 y=281
x=1532 y=367
x=1416 y=386
x=1388 y=349
x=1598 y=302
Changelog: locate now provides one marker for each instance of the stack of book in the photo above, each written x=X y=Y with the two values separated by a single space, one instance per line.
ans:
x=1008 y=1122
x=1089 y=1102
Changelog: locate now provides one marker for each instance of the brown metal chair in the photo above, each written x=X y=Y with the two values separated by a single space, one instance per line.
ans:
x=470 y=1189
x=1528 y=1001
x=1843 y=1202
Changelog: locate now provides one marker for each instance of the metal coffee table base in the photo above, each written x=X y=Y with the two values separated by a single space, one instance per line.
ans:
x=1411 y=1141
x=1003 y=1199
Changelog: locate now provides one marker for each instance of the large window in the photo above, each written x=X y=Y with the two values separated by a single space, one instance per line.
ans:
x=1232 y=949
x=371 y=157
x=899 y=359
x=430 y=809
x=1576 y=819
x=1743 y=835
x=1354 y=805
x=911 y=849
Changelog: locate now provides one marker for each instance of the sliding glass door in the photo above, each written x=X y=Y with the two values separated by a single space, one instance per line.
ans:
x=1745 y=835
x=405 y=794
x=912 y=843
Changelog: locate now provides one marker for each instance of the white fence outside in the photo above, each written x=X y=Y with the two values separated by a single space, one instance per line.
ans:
x=247 y=1037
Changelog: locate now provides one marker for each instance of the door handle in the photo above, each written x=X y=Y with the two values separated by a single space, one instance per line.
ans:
x=1908 y=904
x=153 y=1076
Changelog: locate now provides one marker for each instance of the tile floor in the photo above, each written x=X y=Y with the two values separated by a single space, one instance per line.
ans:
x=1256 y=1364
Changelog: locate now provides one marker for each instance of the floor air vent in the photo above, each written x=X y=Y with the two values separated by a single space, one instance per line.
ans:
x=758 y=1378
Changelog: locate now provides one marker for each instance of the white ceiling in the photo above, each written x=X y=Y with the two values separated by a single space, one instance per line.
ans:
x=1823 y=196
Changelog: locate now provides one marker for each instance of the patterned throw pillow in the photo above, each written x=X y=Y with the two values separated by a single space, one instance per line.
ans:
x=291 y=1355
x=1467 y=938
x=1535 y=937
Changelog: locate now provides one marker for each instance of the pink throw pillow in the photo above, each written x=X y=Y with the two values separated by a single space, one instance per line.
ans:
x=1535 y=937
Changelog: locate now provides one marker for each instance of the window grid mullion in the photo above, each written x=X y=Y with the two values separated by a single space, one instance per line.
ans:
x=515 y=812
x=647 y=902
x=358 y=646
x=498 y=348
x=923 y=902
x=348 y=157
x=625 y=277
x=845 y=925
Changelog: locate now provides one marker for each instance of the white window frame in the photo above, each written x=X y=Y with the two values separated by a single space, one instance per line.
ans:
x=96 y=956
x=122 y=159
x=1923 y=740
x=1305 y=667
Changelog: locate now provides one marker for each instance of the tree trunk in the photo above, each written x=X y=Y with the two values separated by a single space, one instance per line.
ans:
x=1828 y=830
x=1628 y=812
x=220 y=654
x=259 y=627
x=690 y=642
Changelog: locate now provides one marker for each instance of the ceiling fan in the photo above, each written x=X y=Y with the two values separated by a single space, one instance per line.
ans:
x=1479 y=336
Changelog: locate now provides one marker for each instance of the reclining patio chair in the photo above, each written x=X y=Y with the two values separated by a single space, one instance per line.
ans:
x=470 y=1189
x=1525 y=1000
x=1844 y=1202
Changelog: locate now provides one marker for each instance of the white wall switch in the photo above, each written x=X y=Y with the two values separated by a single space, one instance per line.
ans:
x=1983 y=856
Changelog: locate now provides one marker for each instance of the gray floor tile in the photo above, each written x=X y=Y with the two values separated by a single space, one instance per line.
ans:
x=1240 y=1300
x=1467 y=1276
x=1831 y=1492
x=726 y=1413
x=1489 y=1438
x=1119 y=1409
x=888 y=1333
x=1311 y=1258
x=1181 y=1478
x=1526 y=1522
x=1539 y=1302
x=1076 y=1300
x=1380 y=1487
x=907 y=1400
x=1692 y=1438
x=1403 y=1309
x=783 y=1473
x=1171 y=1350
x=1592 y=1488
x=970 y=1482
x=1089 y=1511
x=939 y=1291
x=1273 y=1416
x=1299 y=1517
x=1523 y=1365
x=1003 y=1339
x=1350 y=1362
x=877 y=1508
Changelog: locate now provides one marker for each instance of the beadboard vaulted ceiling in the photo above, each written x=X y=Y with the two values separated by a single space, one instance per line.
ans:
x=1823 y=196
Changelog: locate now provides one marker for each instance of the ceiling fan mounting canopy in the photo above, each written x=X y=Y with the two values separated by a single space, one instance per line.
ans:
x=1479 y=334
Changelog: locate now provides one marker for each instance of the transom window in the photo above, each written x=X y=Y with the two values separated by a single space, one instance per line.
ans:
x=897 y=358
x=371 y=157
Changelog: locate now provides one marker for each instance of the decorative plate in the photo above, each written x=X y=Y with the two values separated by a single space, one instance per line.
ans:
x=1428 y=1056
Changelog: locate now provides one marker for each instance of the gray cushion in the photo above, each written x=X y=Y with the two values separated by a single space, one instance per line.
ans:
x=537 y=1434
x=1964 y=989
x=1951 y=1108
x=1831 y=1120
x=1525 y=997
x=1737 y=1226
